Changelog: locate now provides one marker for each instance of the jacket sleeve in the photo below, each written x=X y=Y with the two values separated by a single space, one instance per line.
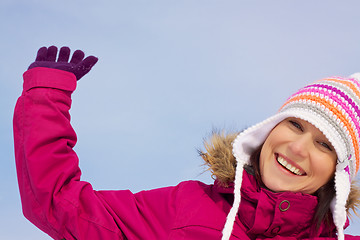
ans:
x=53 y=196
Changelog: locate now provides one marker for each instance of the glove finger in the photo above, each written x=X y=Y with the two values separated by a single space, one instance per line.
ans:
x=41 y=54
x=85 y=66
x=89 y=62
x=51 y=54
x=77 y=56
x=64 y=54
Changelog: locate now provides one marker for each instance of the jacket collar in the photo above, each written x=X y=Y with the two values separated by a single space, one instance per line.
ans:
x=268 y=214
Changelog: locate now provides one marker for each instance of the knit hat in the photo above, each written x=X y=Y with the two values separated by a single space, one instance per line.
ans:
x=333 y=106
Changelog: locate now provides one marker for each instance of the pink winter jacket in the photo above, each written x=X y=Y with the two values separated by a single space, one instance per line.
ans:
x=59 y=203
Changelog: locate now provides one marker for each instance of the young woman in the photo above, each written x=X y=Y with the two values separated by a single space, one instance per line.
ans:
x=288 y=177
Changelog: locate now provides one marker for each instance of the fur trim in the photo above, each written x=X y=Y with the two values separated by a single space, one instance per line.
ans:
x=353 y=201
x=222 y=164
x=219 y=157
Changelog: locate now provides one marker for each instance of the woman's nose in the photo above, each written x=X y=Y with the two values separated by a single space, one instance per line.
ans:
x=300 y=145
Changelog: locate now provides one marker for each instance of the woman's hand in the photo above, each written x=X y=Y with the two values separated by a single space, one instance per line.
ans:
x=46 y=57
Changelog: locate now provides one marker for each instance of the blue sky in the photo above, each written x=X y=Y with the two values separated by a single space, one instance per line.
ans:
x=168 y=73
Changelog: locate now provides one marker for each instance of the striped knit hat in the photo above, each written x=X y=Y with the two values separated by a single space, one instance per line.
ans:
x=333 y=106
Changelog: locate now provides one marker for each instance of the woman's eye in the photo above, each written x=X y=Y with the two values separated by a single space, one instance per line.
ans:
x=325 y=145
x=295 y=124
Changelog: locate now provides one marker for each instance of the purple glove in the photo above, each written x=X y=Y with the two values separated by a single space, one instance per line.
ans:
x=46 y=57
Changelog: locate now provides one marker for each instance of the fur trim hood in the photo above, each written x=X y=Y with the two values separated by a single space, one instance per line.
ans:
x=219 y=158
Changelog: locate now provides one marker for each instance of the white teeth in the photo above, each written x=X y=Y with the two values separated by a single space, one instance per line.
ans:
x=288 y=166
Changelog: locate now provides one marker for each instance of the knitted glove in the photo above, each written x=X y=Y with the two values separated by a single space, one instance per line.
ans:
x=46 y=57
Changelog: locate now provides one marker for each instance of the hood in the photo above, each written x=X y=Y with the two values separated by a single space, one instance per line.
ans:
x=219 y=158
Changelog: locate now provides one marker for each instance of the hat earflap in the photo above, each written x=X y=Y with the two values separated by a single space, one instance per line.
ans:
x=342 y=188
x=230 y=219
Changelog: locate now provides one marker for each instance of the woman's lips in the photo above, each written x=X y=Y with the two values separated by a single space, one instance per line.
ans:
x=289 y=165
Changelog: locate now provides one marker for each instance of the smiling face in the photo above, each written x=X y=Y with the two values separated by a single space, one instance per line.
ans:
x=296 y=157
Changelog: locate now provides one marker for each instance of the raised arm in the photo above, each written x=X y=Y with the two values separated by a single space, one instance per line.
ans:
x=47 y=167
x=52 y=195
